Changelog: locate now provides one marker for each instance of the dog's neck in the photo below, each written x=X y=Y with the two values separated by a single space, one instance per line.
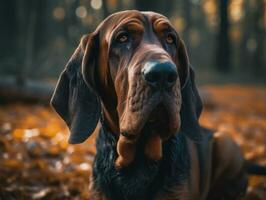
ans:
x=109 y=118
x=143 y=178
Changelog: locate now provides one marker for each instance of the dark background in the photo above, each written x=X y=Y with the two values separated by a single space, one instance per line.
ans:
x=225 y=39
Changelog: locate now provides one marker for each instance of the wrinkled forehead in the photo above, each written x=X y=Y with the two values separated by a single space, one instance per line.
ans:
x=133 y=20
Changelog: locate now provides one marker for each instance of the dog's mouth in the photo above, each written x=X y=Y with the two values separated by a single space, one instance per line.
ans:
x=160 y=116
x=157 y=122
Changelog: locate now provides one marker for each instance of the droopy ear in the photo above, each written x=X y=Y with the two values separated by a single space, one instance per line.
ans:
x=191 y=102
x=73 y=99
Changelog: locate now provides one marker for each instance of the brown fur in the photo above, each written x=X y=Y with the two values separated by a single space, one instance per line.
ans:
x=133 y=97
x=127 y=102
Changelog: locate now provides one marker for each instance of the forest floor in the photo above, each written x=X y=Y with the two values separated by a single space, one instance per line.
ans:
x=36 y=162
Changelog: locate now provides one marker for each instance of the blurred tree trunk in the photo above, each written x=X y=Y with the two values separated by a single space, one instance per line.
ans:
x=146 y=5
x=8 y=29
x=252 y=47
x=120 y=5
x=259 y=52
x=223 y=57
x=31 y=35
x=161 y=6
x=29 y=42
x=24 y=18
x=188 y=21
x=71 y=19
x=244 y=57
x=105 y=9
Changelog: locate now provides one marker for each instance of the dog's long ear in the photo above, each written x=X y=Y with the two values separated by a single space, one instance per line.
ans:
x=74 y=100
x=191 y=102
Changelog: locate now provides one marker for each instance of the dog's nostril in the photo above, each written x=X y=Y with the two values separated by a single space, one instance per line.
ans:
x=152 y=77
x=160 y=74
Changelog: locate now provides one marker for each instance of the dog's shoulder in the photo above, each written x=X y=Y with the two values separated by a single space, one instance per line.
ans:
x=228 y=174
x=219 y=153
x=228 y=160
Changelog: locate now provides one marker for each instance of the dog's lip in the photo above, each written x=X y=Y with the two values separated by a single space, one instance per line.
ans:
x=161 y=122
x=157 y=117
x=151 y=117
x=148 y=120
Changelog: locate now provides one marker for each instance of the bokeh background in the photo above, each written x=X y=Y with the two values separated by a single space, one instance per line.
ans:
x=226 y=42
x=222 y=36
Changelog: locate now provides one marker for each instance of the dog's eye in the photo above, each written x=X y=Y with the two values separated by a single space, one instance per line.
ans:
x=122 y=38
x=170 y=39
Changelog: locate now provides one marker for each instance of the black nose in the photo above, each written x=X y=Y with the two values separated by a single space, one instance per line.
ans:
x=160 y=74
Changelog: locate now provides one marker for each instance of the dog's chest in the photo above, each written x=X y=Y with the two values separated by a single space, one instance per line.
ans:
x=143 y=180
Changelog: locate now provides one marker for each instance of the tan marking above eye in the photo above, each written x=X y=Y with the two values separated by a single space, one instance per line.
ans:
x=161 y=24
x=135 y=26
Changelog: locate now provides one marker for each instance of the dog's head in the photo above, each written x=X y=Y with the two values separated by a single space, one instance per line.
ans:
x=135 y=68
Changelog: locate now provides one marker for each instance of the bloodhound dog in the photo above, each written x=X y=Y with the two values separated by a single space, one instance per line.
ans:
x=132 y=74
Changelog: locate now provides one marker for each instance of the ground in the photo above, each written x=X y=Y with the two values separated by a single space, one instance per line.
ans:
x=36 y=162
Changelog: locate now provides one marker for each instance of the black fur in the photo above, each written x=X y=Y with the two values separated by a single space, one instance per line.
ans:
x=143 y=179
x=256 y=169
x=75 y=102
